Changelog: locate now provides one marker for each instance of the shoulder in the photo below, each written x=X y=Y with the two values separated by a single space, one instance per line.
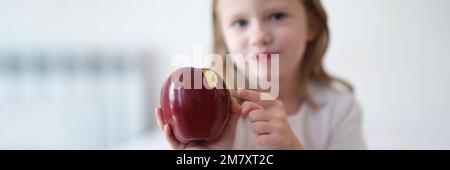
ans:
x=331 y=95
x=340 y=115
x=337 y=103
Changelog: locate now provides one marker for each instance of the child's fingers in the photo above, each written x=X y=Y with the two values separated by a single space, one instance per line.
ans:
x=230 y=129
x=169 y=136
x=235 y=115
x=265 y=139
x=235 y=106
x=261 y=128
x=248 y=94
x=259 y=115
x=248 y=106
x=257 y=97
x=159 y=118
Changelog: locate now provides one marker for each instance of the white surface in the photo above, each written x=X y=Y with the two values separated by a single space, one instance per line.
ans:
x=153 y=140
x=396 y=54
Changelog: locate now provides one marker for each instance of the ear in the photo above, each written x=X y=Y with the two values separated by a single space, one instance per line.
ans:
x=313 y=26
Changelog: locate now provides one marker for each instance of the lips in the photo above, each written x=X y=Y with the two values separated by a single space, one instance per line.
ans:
x=267 y=55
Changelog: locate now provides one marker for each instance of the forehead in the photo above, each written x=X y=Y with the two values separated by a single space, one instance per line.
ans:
x=227 y=7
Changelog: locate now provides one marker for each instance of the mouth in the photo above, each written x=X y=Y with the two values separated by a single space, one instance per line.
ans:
x=265 y=55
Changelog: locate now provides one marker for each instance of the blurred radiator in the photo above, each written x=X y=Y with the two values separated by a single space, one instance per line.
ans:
x=70 y=98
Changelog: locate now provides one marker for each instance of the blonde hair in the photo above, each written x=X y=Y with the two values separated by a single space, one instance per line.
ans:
x=311 y=66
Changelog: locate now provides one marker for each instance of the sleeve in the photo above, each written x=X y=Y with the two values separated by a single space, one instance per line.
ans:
x=346 y=127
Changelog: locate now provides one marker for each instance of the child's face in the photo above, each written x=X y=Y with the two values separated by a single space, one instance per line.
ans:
x=266 y=26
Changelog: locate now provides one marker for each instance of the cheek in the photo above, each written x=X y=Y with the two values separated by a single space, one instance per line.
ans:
x=236 y=42
x=293 y=42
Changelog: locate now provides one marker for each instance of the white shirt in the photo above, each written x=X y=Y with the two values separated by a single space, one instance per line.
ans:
x=336 y=124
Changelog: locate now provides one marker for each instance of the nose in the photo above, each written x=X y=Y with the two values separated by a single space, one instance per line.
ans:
x=261 y=36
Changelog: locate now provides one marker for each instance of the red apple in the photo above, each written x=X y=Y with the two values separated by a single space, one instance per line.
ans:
x=195 y=114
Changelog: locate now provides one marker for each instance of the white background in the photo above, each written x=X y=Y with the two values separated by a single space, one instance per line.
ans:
x=394 y=52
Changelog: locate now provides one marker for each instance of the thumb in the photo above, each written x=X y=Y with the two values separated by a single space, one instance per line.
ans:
x=235 y=111
x=230 y=129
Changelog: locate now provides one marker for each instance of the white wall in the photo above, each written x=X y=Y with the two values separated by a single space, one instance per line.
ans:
x=158 y=29
x=396 y=53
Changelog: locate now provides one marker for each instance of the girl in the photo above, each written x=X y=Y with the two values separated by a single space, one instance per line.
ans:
x=313 y=109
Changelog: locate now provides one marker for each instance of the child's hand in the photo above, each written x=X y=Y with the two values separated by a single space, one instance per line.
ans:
x=224 y=142
x=269 y=120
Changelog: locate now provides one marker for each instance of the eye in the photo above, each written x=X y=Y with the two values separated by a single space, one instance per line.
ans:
x=278 y=16
x=240 y=23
